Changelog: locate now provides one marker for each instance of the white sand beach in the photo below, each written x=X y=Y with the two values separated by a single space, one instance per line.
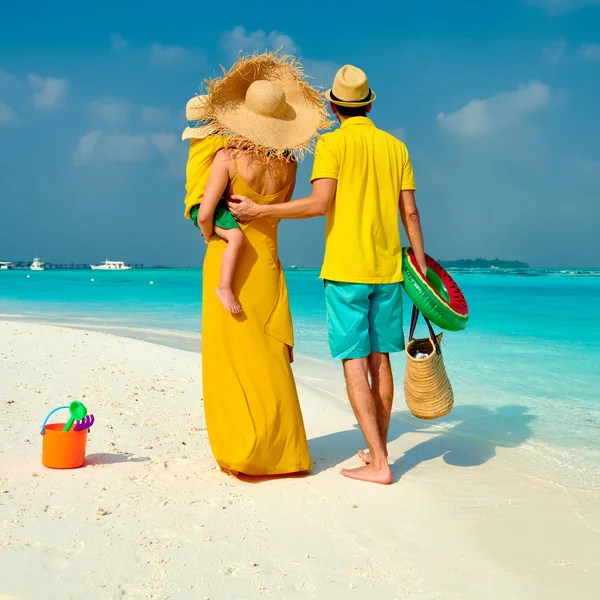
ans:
x=151 y=516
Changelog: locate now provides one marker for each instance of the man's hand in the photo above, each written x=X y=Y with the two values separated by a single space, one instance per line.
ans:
x=242 y=208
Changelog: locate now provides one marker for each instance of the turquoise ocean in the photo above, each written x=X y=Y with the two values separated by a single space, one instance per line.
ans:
x=526 y=371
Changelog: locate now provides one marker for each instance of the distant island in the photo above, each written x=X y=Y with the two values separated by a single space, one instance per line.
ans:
x=482 y=263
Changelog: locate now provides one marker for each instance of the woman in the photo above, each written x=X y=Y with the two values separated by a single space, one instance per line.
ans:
x=253 y=416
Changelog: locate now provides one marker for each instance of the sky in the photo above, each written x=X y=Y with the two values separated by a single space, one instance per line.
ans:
x=496 y=101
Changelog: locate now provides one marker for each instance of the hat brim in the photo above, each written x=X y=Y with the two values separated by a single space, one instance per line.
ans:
x=197 y=133
x=299 y=124
x=350 y=104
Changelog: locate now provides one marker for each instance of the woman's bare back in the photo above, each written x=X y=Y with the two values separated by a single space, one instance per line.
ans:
x=265 y=178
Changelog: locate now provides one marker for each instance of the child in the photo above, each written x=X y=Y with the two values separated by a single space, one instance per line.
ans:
x=213 y=219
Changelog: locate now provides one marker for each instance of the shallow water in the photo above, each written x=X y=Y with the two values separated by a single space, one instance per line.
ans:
x=526 y=371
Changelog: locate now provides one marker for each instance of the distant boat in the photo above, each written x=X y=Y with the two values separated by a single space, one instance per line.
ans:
x=37 y=265
x=111 y=265
x=293 y=267
x=4 y=266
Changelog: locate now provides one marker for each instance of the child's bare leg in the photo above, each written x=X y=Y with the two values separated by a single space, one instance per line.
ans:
x=235 y=240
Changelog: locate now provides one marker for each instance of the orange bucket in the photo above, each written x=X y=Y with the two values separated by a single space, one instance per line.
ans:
x=62 y=449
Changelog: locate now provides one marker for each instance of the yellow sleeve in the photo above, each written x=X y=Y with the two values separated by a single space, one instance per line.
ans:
x=200 y=158
x=327 y=164
x=407 y=181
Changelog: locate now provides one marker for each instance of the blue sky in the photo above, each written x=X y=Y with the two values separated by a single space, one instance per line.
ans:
x=497 y=103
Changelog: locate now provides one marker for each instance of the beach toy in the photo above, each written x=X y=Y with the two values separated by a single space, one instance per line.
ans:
x=84 y=423
x=78 y=412
x=62 y=447
x=435 y=294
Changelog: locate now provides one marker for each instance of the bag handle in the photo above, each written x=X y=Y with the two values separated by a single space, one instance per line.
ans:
x=413 y=325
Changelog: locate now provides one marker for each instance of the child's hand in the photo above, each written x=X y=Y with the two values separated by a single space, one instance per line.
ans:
x=207 y=234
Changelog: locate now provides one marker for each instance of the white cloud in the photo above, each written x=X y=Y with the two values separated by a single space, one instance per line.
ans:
x=173 y=151
x=98 y=146
x=164 y=142
x=590 y=52
x=169 y=56
x=126 y=147
x=561 y=6
x=556 y=52
x=155 y=116
x=50 y=92
x=118 y=42
x=110 y=110
x=320 y=72
x=480 y=117
x=239 y=40
x=86 y=145
x=7 y=114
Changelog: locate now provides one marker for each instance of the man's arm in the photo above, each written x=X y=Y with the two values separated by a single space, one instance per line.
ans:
x=412 y=225
x=315 y=205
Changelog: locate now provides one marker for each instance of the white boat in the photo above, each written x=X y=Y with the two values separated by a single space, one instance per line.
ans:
x=4 y=266
x=111 y=265
x=37 y=265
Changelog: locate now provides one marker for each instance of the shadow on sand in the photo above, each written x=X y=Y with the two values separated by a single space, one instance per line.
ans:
x=111 y=459
x=468 y=437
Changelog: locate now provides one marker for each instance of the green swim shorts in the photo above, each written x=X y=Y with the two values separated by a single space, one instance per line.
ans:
x=222 y=217
x=363 y=318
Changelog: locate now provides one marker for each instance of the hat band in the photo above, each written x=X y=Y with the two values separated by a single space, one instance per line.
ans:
x=365 y=99
x=196 y=123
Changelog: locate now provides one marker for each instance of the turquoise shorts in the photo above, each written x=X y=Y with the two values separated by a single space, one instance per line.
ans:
x=363 y=318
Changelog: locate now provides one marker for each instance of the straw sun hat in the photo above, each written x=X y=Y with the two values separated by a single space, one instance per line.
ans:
x=195 y=113
x=350 y=88
x=266 y=105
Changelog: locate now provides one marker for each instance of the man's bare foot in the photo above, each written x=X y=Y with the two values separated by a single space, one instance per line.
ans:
x=371 y=473
x=227 y=298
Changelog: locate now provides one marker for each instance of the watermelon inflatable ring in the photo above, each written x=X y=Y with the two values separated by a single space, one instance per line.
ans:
x=437 y=296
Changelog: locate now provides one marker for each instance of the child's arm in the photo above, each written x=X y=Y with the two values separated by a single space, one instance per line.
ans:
x=217 y=183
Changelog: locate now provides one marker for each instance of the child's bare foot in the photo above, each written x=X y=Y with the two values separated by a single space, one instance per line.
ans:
x=227 y=297
x=370 y=473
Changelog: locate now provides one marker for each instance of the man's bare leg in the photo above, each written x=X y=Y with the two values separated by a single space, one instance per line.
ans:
x=364 y=405
x=382 y=388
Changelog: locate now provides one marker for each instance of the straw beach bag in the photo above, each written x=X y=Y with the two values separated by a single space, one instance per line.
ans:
x=427 y=388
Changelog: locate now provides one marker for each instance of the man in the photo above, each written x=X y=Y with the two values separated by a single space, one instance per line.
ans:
x=361 y=176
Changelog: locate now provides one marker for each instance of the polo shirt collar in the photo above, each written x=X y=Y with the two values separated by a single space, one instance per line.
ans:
x=357 y=121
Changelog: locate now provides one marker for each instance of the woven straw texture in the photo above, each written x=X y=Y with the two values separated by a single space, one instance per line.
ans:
x=427 y=389
x=294 y=132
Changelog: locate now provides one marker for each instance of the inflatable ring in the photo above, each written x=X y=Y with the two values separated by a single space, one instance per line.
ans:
x=437 y=296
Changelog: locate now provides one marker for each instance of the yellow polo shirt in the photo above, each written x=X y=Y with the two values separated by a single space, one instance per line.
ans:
x=200 y=159
x=371 y=167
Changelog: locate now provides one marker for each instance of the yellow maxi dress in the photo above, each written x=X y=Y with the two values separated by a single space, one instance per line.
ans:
x=251 y=406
